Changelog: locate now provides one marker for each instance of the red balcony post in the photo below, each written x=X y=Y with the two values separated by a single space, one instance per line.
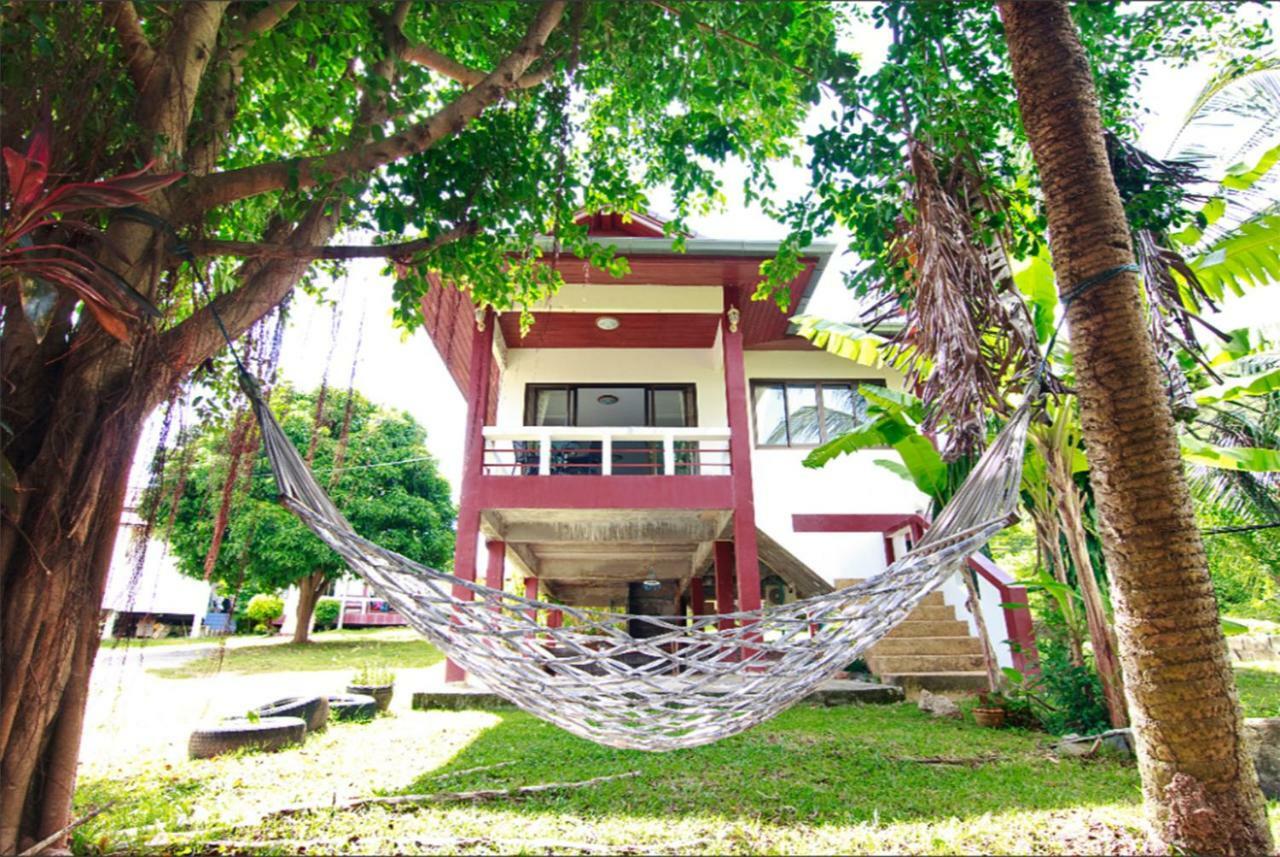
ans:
x=464 y=555
x=531 y=592
x=745 y=550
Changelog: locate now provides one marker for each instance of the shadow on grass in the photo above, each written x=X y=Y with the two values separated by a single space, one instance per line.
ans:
x=817 y=766
x=328 y=654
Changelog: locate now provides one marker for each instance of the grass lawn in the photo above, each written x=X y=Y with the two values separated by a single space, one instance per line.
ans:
x=861 y=779
x=329 y=650
x=1259 y=685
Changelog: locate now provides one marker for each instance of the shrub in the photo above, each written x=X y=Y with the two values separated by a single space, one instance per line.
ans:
x=327 y=610
x=1074 y=692
x=371 y=676
x=263 y=609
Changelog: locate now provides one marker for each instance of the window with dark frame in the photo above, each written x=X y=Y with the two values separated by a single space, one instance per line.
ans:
x=806 y=413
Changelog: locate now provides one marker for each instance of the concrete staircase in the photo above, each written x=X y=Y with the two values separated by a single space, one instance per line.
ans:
x=931 y=649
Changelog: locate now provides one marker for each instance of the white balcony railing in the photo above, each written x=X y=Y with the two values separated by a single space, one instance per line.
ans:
x=606 y=451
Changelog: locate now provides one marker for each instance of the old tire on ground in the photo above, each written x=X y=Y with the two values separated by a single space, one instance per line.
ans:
x=352 y=706
x=313 y=709
x=268 y=733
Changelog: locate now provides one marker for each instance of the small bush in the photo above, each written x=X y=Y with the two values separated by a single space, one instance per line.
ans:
x=1074 y=692
x=327 y=610
x=263 y=609
x=372 y=676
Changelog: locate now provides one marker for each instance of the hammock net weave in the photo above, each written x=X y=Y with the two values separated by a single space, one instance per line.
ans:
x=686 y=681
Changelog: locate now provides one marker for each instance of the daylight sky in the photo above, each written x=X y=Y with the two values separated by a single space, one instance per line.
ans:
x=407 y=373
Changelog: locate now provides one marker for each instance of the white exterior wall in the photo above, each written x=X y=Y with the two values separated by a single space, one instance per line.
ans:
x=852 y=484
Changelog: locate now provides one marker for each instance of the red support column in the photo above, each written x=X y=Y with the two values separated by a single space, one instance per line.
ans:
x=555 y=618
x=464 y=553
x=745 y=550
x=531 y=592
x=697 y=597
x=724 y=581
x=495 y=571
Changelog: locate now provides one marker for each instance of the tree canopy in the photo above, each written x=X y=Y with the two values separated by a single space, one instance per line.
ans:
x=378 y=471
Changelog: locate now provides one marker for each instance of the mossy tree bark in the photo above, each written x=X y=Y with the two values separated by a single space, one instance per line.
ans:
x=1200 y=786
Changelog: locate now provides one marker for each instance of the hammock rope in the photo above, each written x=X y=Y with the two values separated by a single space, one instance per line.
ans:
x=686 y=681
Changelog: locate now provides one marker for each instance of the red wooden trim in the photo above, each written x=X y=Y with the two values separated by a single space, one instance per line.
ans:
x=745 y=548
x=724 y=563
x=495 y=572
x=850 y=523
x=464 y=553
x=1017 y=620
x=635 y=330
x=573 y=491
x=531 y=592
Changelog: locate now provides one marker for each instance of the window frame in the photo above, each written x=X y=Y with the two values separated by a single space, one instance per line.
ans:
x=689 y=390
x=817 y=384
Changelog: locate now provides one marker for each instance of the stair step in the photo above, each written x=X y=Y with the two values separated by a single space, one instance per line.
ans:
x=884 y=664
x=926 y=646
x=940 y=682
x=933 y=612
x=933 y=599
x=912 y=627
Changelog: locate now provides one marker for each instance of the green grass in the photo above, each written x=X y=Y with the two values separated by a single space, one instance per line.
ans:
x=1259 y=685
x=841 y=779
x=859 y=779
x=330 y=650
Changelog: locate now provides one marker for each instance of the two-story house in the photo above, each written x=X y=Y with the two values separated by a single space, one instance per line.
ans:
x=640 y=449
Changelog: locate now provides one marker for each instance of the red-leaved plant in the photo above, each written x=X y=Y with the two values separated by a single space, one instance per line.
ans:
x=36 y=256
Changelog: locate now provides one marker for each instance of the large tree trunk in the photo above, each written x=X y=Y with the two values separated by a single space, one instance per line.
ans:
x=308 y=594
x=1200 y=786
x=57 y=549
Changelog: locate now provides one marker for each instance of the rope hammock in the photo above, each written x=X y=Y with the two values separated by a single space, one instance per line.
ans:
x=686 y=681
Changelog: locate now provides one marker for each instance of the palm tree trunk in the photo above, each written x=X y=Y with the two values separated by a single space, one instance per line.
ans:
x=1200 y=786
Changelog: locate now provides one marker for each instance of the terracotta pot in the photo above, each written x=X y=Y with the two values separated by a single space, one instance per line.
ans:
x=380 y=692
x=992 y=718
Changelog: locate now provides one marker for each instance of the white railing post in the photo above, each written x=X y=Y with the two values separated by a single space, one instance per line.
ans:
x=669 y=453
x=544 y=453
x=606 y=454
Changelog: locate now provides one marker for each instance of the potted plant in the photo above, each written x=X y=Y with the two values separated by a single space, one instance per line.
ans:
x=377 y=682
x=990 y=710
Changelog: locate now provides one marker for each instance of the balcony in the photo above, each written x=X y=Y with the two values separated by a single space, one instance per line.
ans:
x=607 y=467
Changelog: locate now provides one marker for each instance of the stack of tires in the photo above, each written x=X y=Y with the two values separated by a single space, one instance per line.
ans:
x=279 y=724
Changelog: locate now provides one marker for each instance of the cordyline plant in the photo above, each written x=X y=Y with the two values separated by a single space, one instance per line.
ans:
x=43 y=251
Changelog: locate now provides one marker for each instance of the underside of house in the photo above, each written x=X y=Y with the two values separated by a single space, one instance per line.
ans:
x=640 y=449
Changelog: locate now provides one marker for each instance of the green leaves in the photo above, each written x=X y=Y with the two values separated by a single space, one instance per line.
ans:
x=1247 y=458
x=892 y=422
x=1247 y=256
x=1259 y=384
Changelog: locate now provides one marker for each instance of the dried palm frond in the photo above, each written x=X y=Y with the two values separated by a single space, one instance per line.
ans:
x=967 y=337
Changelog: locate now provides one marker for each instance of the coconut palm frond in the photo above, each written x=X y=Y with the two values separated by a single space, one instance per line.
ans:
x=1233 y=130
x=1252 y=422
x=963 y=317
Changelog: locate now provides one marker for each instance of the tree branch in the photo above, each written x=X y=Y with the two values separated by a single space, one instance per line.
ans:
x=263 y=250
x=267 y=18
x=220 y=188
x=427 y=57
x=139 y=56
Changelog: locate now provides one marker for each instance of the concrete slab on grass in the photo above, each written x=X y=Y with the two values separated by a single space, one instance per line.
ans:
x=457 y=697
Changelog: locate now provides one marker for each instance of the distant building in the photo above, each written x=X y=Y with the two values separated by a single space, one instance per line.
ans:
x=144 y=599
